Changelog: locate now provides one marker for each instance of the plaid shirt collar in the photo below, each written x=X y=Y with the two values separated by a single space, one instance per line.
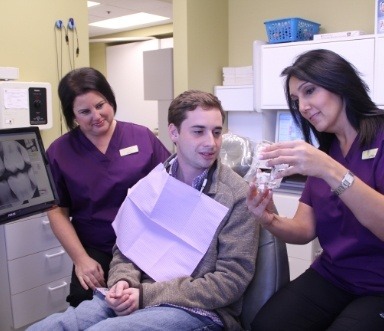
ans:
x=197 y=181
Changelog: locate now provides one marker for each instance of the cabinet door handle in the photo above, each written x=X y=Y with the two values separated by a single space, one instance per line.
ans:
x=48 y=256
x=57 y=287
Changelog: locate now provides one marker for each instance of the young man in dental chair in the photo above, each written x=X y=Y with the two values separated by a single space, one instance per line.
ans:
x=186 y=242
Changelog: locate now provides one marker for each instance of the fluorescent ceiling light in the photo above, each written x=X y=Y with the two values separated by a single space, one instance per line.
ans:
x=129 y=21
x=92 y=3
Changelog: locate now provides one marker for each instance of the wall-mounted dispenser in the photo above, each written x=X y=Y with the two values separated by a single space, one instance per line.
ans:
x=24 y=104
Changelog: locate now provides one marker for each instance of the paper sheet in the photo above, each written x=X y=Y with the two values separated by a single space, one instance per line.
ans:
x=165 y=226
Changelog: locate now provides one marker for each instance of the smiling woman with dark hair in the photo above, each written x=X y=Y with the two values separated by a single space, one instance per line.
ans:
x=93 y=166
x=342 y=203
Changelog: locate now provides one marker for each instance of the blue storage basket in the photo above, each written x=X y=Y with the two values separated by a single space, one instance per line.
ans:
x=290 y=29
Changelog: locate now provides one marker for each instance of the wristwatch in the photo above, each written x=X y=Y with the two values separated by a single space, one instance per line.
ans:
x=346 y=182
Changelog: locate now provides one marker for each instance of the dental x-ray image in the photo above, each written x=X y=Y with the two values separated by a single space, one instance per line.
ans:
x=26 y=184
x=17 y=180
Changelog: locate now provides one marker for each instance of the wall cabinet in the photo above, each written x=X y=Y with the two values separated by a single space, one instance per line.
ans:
x=270 y=60
x=248 y=106
x=35 y=272
x=235 y=98
x=365 y=52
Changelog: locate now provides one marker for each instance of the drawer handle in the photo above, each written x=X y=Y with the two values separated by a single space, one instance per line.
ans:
x=57 y=287
x=48 y=256
x=45 y=222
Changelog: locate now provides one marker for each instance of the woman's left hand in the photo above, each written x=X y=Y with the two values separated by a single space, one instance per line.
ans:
x=260 y=203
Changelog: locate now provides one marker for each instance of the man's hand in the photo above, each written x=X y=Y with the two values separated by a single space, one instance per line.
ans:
x=123 y=299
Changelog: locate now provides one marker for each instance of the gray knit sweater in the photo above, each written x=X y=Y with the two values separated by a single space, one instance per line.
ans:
x=221 y=277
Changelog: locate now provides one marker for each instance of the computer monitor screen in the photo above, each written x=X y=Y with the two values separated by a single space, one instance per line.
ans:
x=286 y=128
x=26 y=184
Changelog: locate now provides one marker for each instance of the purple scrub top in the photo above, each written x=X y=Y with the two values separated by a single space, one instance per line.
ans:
x=353 y=257
x=93 y=185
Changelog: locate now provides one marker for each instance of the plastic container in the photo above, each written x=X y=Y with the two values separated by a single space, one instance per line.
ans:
x=290 y=29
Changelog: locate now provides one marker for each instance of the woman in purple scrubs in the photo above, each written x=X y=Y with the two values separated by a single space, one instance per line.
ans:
x=93 y=166
x=342 y=203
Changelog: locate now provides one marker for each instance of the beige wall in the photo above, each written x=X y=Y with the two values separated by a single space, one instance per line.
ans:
x=209 y=34
x=246 y=20
x=27 y=37
x=229 y=27
x=200 y=43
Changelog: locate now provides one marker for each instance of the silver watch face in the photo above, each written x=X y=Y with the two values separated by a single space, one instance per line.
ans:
x=345 y=183
x=348 y=180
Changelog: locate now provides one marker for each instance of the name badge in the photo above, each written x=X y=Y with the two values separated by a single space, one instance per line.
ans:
x=369 y=154
x=129 y=150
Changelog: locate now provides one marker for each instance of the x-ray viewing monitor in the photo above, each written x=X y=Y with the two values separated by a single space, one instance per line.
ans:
x=26 y=184
x=286 y=129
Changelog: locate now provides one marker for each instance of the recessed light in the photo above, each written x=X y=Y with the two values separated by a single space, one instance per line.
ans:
x=129 y=21
x=92 y=3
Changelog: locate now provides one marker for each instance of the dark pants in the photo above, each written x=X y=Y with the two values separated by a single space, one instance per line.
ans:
x=77 y=293
x=311 y=303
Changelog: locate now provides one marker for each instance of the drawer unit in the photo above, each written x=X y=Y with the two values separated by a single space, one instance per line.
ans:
x=300 y=256
x=34 y=268
x=303 y=252
x=297 y=266
x=28 y=236
x=39 y=302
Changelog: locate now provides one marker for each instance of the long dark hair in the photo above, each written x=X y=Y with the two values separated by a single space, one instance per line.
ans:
x=329 y=70
x=80 y=81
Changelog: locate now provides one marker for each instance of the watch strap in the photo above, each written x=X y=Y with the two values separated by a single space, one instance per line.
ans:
x=346 y=182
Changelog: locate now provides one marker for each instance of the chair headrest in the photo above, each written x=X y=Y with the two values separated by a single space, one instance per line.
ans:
x=237 y=153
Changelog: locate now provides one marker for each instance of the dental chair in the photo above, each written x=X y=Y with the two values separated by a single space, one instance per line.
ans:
x=272 y=268
x=271 y=273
